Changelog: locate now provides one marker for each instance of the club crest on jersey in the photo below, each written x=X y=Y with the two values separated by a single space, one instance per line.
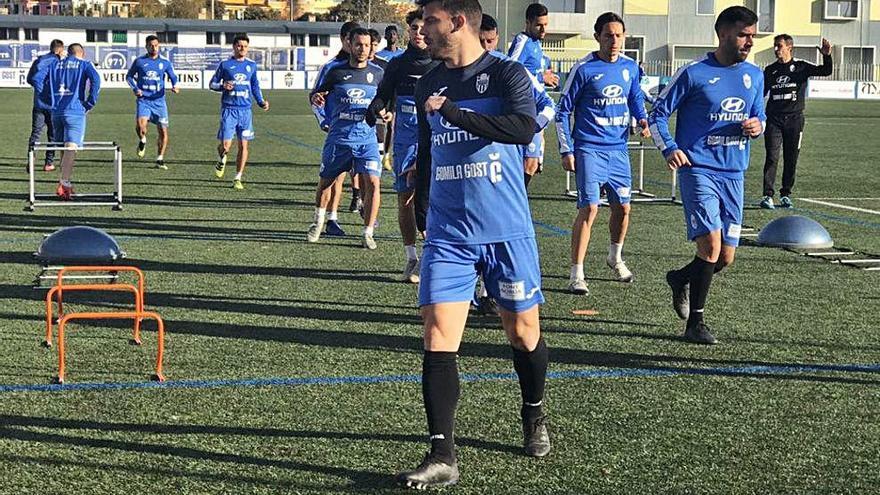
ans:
x=369 y=77
x=161 y=66
x=747 y=81
x=625 y=74
x=247 y=68
x=791 y=68
x=482 y=83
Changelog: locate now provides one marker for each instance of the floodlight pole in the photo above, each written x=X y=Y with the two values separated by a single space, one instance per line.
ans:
x=212 y=10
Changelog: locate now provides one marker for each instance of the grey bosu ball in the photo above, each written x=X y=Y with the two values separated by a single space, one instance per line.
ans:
x=795 y=232
x=79 y=245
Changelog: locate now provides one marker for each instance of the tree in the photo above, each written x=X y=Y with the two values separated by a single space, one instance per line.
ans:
x=364 y=11
x=219 y=9
x=256 y=13
x=149 y=8
x=183 y=9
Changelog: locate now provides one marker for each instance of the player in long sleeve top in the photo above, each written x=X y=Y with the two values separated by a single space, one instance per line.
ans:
x=351 y=142
x=720 y=103
x=236 y=78
x=475 y=111
x=73 y=87
x=397 y=92
x=603 y=92
x=785 y=83
x=146 y=78
x=41 y=114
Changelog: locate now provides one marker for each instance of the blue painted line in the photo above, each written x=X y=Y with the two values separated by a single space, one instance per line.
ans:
x=552 y=228
x=292 y=140
x=468 y=377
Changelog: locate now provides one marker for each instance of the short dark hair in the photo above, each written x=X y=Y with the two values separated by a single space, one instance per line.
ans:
x=347 y=27
x=374 y=35
x=241 y=37
x=150 y=38
x=735 y=15
x=534 y=11
x=489 y=23
x=73 y=47
x=359 y=31
x=413 y=15
x=390 y=28
x=55 y=44
x=607 y=18
x=783 y=37
x=470 y=9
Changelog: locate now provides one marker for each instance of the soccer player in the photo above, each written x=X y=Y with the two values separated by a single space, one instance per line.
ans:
x=236 y=78
x=146 y=78
x=786 y=83
x=351 y=142
x=390 y=51
x=720 y=104
x=603 y=91
x=397 y=91
x=526 y=49
x=475 y=111
x=41 y=114
x=74 y=85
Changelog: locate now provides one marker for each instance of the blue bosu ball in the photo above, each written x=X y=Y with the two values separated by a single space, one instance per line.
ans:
x=795 y=232
x=79 y=245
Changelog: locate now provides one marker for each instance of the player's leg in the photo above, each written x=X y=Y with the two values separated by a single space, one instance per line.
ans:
x=357 y=203
x=772 y=147
x=732 y=195
x=49 y=163
x=38 y=121
x=792 y=136
x=141 y=118
x=532 y=155
x=618 y=187
x=580 y=241
x=335 y=160
x=245 y=131
x=403 y=162
x=368 y=166
x=72 y=131
x=160 y=118
x=225 y=133
x=333 y=228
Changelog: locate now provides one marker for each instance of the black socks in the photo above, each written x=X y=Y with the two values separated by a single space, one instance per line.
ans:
x=440 y=389
x=700 y=280
x=531 y=368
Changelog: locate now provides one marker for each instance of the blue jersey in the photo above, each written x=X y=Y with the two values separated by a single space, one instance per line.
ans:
x=74 y=84
x=527 y=51
x=477 y=192
x=603 y=95
x=544 y=107
x=147 y=74
x=349 y=92
x=37 y=77
x=712 y=101
x=320 y=113
x=386 y=54
x=243 y=74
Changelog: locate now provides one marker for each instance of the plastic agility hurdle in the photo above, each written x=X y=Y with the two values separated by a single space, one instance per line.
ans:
x=115 y=198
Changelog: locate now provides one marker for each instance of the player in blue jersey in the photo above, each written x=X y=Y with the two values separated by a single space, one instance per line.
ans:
x=720 y=103
x=603 y=92
x=73 y=89
x=397 y=92
x=41 y=115
x=236 y=78
x=475 y=111
x=317 y=102
x=391 y=50
x=351 y=142
x=146 y=78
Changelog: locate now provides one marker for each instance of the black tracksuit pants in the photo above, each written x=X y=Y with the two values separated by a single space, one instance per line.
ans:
x=783 y=132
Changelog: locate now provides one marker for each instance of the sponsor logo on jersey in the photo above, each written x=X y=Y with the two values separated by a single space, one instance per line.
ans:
x=732 y=110
x=613 y=95
x=356 y=96
x=714 y=80
x=783 y=80
x=240 y=78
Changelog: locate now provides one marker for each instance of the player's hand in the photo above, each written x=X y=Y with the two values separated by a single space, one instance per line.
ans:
x=825 y=49
x=551 y=79
x=677 y=159
x=646 y=132
x=175 y=90
x=318 y=99
x=752 y=127
x=387 y=116
x=228 y=85
x=265 y=105
x=433 y=103
x=139 y=93
x=568 y=162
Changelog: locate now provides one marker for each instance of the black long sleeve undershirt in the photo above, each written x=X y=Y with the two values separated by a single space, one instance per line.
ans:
x=507 y=129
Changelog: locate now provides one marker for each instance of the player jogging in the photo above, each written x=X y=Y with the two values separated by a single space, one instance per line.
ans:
x=720 y=104
x=41 y=114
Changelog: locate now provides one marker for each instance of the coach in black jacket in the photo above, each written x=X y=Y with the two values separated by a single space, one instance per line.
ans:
x=786 y=82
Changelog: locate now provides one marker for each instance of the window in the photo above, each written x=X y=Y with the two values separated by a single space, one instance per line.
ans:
x=298 y=40
x=705 y=7
x=806 y=53
x=857 y=63
x=32 y=34
x=8 y=33
x=167 y=37
x=841 y=9
x=95 y=36
x=766 y=13
x=212 y=38
x=120 y=36
x=634 y=47
x=114 y=10
x=319 y=40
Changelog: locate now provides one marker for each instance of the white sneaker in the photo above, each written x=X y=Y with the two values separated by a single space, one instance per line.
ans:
x=621 y=272
x=314 y=233
x=368 y=242
x=411 y=272
x=579 y=287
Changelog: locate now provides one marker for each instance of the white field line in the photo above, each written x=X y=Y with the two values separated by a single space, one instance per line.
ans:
x=847 y=199
x=838 y=205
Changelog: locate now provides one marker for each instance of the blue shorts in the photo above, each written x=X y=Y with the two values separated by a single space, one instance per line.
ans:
x=70 y=129
x=711 y=202
x=155 y=110
x=511 y=273
x=535 y=149
x=236 y=122
x=595 y=169
x=404 y=161
x=359 y=158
